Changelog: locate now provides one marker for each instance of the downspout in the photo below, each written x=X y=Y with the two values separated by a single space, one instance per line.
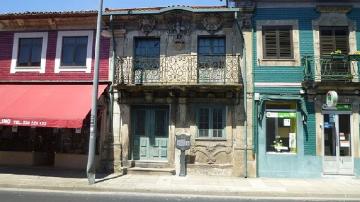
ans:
x=111 y=89
x=245 y=98
x=113 y=64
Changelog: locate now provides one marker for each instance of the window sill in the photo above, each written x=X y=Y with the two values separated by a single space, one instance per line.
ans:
x=73 y=69
x=279 y=60
x=28 y=69
x=281 y=153
x=209 y=139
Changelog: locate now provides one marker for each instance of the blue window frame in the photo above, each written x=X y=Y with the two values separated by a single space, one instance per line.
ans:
x=29 y=53
x=74 y=51
x=211 y=121
x=211 y=52
x=147 y=53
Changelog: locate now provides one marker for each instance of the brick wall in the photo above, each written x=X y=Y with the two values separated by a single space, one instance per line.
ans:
x=6 y=47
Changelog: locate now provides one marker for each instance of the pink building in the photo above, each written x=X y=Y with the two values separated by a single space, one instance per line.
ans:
x=46 y=72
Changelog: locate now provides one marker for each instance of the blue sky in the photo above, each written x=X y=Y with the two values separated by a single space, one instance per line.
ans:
x=63 y=5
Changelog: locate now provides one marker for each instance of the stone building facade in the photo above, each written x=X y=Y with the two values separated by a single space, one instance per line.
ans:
x=179 y=70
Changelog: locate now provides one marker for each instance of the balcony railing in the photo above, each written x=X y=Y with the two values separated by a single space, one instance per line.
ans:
x=331 y=68
x=179 y=70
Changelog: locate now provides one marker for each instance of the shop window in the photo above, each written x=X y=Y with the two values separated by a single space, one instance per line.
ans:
x=29 y=52
x=74 y=51
x=16 y=139
x=277 y=42
x=281 y=127
x=211 y=122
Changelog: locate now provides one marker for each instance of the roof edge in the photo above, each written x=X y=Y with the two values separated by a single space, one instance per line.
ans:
x=161 y=10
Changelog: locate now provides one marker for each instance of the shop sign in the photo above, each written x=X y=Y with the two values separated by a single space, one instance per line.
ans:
x=343 y=107
x=331 y=99
x=15 y=122
x=280 y=114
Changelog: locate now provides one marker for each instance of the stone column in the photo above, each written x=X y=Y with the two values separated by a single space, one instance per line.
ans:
x=111 y=147
x=125 y=133
x=248 y=38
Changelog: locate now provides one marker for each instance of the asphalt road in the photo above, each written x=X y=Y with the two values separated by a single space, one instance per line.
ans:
x=17 y=195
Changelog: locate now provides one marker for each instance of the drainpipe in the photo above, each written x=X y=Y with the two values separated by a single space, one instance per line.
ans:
x=245 y=98
x=113 y=69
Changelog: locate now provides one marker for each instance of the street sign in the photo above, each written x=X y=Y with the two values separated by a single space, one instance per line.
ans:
x=182 y=143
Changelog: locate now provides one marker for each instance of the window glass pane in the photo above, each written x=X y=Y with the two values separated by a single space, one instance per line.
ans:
x=36 y=55
x=140 y=121
x=345 y=135
x=74 y=51
x=281 y=127
x=218 y=122
x=211 y=52
x=160 y=123
x=204 y=122
x=211 y=122
x=329 y=135
x=24 y=56
x=29 y=53
x=147 y=53
x=270 y=133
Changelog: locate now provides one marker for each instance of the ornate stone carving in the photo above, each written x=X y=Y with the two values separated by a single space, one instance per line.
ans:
x=147 y=24
x=212 y=23
x=179 y=25
x=210 y=151
x=246 y=21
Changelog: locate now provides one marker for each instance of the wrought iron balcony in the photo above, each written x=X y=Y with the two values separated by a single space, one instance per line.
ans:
x=335 y=67
x=178 y=70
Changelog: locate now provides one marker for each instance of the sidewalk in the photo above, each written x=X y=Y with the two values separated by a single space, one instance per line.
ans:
x=334 y=188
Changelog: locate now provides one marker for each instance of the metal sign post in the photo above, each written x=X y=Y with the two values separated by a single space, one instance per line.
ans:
x=90 y=169
x=183 y=143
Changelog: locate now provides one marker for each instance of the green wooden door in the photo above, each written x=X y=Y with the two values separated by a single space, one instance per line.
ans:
x=150 y=133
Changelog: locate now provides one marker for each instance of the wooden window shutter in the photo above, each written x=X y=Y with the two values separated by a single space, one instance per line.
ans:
x=334 y=38
x=277 y=42
x=285 y=48
x=270 y=44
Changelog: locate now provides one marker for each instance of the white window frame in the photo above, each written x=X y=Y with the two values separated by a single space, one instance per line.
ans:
x=296 y=60
x=17 y=36
x=61 y=35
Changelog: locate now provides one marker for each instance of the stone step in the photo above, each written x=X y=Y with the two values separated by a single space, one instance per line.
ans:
x=150 y=164
x=151 y=171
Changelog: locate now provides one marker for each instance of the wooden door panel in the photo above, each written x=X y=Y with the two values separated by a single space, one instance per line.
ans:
x=150 y=134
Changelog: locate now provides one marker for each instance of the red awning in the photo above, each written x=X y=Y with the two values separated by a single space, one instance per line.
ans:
x=57 y=106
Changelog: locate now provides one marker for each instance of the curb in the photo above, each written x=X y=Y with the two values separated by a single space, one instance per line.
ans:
x=248 y=194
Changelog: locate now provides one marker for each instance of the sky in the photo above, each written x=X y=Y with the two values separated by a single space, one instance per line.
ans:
x=66 y=5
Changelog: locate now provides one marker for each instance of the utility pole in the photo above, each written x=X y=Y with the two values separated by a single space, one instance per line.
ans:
x=90 y=169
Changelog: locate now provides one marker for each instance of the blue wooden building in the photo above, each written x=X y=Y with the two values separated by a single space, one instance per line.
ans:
x=298 y=52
